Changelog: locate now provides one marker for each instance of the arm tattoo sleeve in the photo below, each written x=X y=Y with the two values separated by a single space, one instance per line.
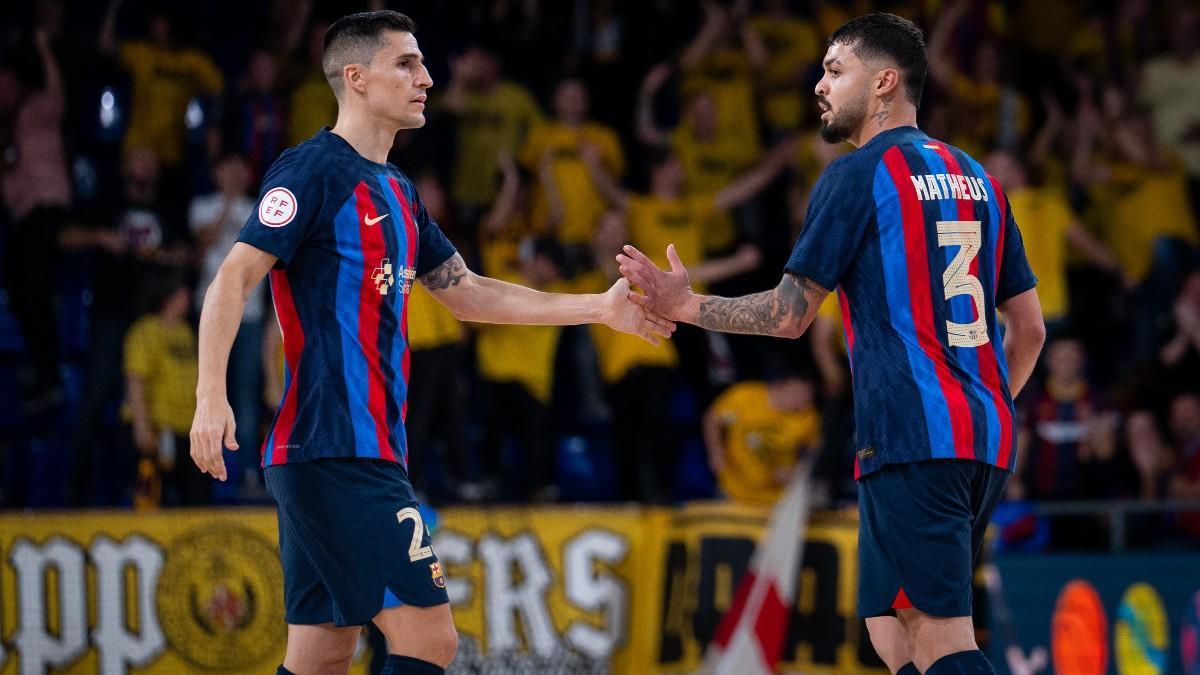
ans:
x=448 y=274
x=761 y=313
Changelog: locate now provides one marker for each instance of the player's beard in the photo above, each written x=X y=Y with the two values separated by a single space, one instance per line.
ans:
x=843 y=123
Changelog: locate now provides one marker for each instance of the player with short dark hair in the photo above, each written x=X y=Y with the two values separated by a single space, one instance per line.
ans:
x=344 y=235
x=919 y=242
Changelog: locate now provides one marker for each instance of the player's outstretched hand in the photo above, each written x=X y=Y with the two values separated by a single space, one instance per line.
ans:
x=623 y=313
x=667 y=292
x=212 y=430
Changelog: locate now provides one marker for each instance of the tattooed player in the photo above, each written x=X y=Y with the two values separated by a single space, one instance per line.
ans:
x=923 y=250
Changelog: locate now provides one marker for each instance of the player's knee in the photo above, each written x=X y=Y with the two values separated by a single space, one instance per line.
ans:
x=890 y=641
x=934 y=637
x=444 y=646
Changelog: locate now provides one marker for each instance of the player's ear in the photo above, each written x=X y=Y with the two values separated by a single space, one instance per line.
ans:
x=354 y=77
x=887 y=82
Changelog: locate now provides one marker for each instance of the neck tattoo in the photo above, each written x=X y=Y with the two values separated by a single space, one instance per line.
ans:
x=881 y=115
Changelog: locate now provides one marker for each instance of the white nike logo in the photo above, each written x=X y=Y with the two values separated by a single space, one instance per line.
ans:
x=371 y=221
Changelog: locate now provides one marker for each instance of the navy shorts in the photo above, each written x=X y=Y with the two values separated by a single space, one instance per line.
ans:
x=921 y=527
x=352 y=541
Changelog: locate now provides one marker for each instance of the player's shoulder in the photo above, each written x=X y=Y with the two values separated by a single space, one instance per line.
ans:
x=846 y=174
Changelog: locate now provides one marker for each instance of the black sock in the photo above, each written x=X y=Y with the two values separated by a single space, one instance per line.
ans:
x=407 y=665
x=283 y=671
x=962 y=663
x=908 y=669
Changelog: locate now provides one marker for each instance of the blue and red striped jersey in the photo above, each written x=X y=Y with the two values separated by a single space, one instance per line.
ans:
x=920 y=244
x=351 y=236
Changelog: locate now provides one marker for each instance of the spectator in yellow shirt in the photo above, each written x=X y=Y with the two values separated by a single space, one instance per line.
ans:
x=493 y=116
x=711 y=157
x=988 y=111
x=756 y=432
x=166 y=77
x=516 y=362
x=1141 y=201
x=723 y=60
x=792 y=48
x=668 y=215
x=1046 y=242
x=558 y=142
x=160 y=394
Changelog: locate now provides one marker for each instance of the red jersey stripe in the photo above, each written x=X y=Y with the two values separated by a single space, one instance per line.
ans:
x=293 y=346
x=374 y=250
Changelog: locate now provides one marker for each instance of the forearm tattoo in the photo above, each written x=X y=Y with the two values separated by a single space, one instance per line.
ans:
x=761 y=313
x=448 y=274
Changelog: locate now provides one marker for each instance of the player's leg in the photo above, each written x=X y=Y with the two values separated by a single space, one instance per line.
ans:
x=892 y=644
x=878 y=583
x=915 y=545
x=421 y=640
x=939 y=624
x=314 y=644
x=936 y=639
x=322 y=649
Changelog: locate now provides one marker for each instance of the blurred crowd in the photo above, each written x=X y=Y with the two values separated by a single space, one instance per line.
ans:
x=135 y=135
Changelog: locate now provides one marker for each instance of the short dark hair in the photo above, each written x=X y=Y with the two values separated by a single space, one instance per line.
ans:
x=887 y=36
x=355 y=38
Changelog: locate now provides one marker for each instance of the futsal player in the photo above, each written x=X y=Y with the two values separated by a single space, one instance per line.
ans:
x=923 y=250
x=344 y=236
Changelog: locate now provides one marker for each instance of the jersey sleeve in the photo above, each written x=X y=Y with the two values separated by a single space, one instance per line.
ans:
x=1016 y=275
x=289 y=207
x=839 y=211
x=434 y=248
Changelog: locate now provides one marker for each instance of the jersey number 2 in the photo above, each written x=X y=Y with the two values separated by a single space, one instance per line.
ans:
x=415 y=550
x=958 y=280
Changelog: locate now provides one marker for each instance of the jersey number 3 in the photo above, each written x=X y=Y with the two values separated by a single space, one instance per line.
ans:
x=958 y=280
x=415 y=550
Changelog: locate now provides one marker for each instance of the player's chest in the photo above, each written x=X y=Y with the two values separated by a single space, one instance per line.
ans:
x=373 y=238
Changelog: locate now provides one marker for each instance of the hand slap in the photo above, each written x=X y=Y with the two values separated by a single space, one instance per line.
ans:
x=666 y=291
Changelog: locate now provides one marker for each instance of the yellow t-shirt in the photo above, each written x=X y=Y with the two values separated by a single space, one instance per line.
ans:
x=430 y=323
x=164 y=81
x=164 y=357
x=758 y=440
x=1044 y=216
x=511 y=353
x=582 y=202
x=617 y=353
x=792 y=45
x=726 y=76
x=311 y=107
x=708 y=167
x=498 y=120
x=655 y=222
x=1142 y=206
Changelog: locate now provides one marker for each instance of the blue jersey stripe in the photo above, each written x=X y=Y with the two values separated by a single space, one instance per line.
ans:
x=895 y=271
x=399 y=389
x=354 y=362
x=962 y=310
